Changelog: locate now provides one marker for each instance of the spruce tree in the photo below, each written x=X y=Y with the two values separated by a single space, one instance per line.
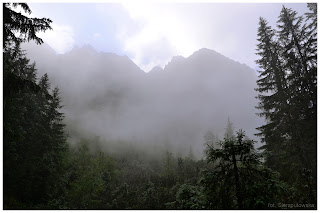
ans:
x=295 y=41
x=15 y=23
x=272 y=85
x=287 y=92
x=238 y=179
x=34 y=141
x=211 y=139
x=229 y=130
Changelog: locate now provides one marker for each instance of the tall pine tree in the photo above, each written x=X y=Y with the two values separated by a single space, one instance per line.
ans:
x=34 y=140
x=287 y=89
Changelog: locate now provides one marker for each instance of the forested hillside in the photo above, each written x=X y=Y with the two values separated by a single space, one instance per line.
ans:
x=91 y=130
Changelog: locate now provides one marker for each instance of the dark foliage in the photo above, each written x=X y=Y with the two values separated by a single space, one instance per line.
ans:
x=34 y=141
x=18 y=28
x=288 y=96
x=40 y=170
x=239 y=178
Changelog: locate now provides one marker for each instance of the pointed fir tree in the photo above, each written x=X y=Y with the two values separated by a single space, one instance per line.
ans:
x=229 y=130
x=287 y=92
x=272 y=87
x=19 y=28
x=34 y=140
x=299 y=47
x=238 y=179
x=210 y=139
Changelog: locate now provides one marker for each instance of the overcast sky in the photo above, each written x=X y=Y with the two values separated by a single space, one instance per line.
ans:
x=151 y=34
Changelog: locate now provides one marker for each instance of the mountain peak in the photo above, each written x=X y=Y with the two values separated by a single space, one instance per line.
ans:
x=87 y=48
x=156 y=69
x=177 y=58
x=204 y=52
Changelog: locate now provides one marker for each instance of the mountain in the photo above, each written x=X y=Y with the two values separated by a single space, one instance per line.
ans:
x=109 y=96
x=156 y=69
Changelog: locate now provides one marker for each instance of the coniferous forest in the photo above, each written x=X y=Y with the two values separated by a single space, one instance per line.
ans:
x=42 y=170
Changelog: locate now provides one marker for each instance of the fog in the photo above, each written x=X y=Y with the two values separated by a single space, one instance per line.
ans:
x=108 y=96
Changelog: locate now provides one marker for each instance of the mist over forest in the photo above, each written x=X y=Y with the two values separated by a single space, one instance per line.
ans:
x=108 y=96
x=89 y=129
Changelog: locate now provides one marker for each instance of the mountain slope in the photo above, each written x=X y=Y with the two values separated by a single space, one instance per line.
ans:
x=109 y=96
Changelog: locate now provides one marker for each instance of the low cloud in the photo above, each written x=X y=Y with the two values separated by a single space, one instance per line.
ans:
x=107 y=95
